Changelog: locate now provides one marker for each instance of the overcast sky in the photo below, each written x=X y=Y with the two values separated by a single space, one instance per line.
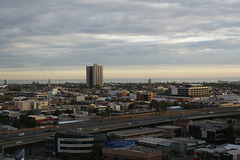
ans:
x=130 y=38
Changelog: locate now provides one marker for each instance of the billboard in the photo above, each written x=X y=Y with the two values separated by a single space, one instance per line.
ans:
x=119 y=144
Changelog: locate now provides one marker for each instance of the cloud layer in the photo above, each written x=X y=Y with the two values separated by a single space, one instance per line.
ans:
x=61 y=35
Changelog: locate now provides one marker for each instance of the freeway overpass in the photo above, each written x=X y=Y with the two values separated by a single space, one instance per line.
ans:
x=107 y=124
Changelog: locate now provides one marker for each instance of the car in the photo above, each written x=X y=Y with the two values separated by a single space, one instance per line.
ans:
x=211 y=112
x=19 y=142
x=129 y=123
x=95 y=129
x=21 y=134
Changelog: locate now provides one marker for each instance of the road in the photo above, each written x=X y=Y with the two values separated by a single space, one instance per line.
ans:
x=112 y=123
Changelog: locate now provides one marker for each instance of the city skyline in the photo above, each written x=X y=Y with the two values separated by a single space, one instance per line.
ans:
x=131 y=39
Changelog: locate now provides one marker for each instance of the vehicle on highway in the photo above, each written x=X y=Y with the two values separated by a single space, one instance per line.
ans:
x=95 y=129
x=129 y=123
x=21 y=134
x=211 y=112
x=19 y=142
x=42 y=127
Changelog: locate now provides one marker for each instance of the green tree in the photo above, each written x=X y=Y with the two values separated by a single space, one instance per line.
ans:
x=5 y=119
x=230 y=134
x=107 y=111
x=66 y=156
x=111 y=137
x=57 y=112
x=55 y=123
x=17 y=123
x=32 y=123
x=28 y=122
x=24 y=119
x=154 y=104
x=96 y=152
x=205 y=155
x=30 y=112
x=131 y=106
x=128 y=100
x=68 y=111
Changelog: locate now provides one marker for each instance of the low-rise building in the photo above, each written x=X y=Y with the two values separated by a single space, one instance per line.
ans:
x=144 y=96
x=31 y=104
x=225 y=152
x=137 y=153
x=75 y=141
x=172 y=131
x=208 y=130
x=180 y=146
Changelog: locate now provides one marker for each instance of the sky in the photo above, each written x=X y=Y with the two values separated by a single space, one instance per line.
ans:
x=57 y=39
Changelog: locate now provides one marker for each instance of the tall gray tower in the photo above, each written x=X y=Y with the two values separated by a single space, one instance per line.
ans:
x=94 y=75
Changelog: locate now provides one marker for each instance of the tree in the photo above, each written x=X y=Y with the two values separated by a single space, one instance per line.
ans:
x=154 y=104
x=68 y=111
x=205 y=155
x=32 y=123
x=5 y=119
x=111 y=137
x=65 y=156
x=24 y=119
x=30 y=112
x=57 y=112
x=28 y=122
x=107 y=111
x=55 y=123
x=96 y=153
x=17 y=123
x=131 y=106
x=230 y=134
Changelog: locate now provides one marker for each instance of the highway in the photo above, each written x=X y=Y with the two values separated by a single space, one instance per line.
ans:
x=106 y=124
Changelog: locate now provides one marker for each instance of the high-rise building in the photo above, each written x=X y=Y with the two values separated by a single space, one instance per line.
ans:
x=149 y=81
x=6 y=81
x=94 y=75
x=49 y=82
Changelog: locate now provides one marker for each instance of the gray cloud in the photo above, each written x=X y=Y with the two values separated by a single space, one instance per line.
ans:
x=126 y=32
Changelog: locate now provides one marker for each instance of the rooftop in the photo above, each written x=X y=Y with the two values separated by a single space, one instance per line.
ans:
x=133 y=132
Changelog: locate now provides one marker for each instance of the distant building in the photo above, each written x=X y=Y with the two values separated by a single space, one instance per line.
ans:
x=131 y=153
x=144 y=96
x=190 y=90
x=49 y=82
x=94 y=75
x=6 y=81
x=31 y=104
x=225 y=152
x=149 y=81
